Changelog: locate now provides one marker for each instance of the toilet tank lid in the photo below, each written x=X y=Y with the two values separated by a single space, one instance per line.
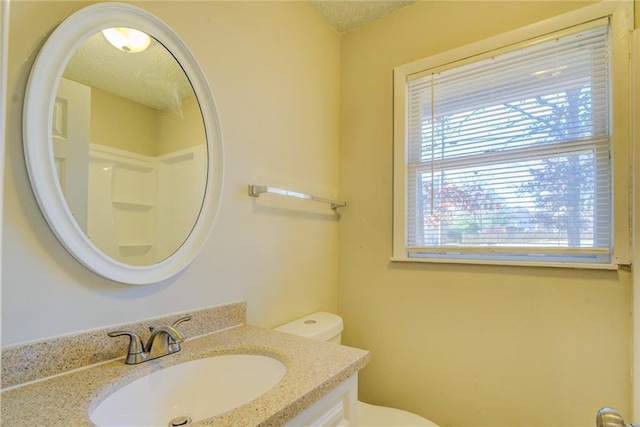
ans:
x=321 y=326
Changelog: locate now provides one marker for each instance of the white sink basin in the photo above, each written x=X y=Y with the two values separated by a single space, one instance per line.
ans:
x=198 y=389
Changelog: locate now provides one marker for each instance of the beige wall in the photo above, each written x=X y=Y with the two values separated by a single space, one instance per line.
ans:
x=180 y=128
x=123 y=124
x=462 y=345
x=273 y=68
x=127 y=125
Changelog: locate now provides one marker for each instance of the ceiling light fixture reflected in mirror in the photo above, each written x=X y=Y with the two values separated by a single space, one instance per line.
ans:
x=127 y=39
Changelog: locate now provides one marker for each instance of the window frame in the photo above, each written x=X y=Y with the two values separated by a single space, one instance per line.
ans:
x=620 y=15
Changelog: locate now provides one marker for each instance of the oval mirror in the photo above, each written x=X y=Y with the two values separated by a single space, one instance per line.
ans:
x=122 y=144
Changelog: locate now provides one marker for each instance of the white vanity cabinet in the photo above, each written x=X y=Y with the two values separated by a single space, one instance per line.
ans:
x=339 y=408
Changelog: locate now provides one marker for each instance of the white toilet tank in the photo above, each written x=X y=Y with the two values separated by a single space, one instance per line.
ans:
x=319 y=326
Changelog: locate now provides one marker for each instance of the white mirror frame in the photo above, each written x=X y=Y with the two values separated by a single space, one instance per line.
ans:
x=38 y=145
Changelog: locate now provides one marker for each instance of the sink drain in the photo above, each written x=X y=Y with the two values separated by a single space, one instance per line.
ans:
x=180 y=421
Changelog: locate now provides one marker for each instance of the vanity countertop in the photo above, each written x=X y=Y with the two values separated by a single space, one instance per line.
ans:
x=313 y=369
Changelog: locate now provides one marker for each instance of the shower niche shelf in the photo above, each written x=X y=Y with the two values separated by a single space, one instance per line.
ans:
x=133 y=251
x=129 y=205
x=139 y=245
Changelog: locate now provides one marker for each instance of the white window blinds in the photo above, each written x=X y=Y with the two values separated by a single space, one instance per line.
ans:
x=509 y=157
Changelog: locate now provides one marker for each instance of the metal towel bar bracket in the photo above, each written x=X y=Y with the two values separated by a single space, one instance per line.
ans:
x=257 y=190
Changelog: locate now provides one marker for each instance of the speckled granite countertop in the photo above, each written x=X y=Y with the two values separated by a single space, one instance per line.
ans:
x=313 y=369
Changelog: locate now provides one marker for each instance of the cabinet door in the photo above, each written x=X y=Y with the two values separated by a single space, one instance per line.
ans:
x=338 y=408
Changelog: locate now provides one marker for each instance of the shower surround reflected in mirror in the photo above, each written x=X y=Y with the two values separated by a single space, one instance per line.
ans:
x=130 y=149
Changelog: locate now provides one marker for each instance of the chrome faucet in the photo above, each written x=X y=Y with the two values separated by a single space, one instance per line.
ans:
x=168 y=338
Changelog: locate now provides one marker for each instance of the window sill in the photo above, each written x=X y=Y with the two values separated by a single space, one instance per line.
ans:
x=582 y=266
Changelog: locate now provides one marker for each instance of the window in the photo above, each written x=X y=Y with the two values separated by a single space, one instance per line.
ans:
x=507 y=155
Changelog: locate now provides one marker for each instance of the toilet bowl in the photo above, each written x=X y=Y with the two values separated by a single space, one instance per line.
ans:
x=328 y=327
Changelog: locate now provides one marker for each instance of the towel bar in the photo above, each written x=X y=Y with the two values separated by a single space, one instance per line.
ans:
x=257 y=190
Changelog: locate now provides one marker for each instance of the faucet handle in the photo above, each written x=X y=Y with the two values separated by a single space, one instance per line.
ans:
x=136 y=352
x=180 y=320
x=174 y=324
x=173 y=345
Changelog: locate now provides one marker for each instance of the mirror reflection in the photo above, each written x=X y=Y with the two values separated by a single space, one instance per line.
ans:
x=130 y=148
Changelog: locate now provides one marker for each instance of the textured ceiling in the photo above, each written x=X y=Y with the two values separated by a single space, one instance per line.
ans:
x=345 y=15
x=152 y=78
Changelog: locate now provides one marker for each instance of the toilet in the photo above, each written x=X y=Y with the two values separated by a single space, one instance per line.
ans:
x=328 y=327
